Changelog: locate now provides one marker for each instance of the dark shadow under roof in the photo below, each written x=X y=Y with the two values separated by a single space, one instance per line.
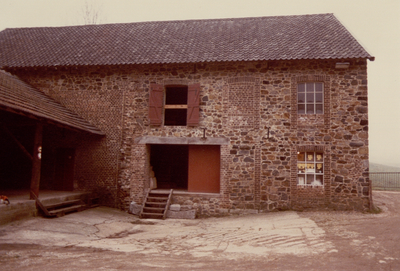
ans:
x=319 y=36
x=18 y=97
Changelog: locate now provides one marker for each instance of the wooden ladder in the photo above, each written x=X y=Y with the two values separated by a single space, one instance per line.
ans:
x=156 y=204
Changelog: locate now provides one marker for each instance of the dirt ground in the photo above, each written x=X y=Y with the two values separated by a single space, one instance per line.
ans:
x=108 y=239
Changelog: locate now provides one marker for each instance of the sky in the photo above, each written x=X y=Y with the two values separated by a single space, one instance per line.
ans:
x=374 y=23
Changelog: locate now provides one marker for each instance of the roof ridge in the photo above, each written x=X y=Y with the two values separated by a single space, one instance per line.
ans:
x=174 y=21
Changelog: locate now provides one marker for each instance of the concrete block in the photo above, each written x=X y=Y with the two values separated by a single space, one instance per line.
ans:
x=175 y=207
x=135 y=208
x=191 y=214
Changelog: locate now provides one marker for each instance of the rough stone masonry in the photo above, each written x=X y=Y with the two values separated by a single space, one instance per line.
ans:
x=251 y=104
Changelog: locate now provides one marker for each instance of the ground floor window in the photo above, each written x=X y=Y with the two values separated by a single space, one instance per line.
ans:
x=310 y=168
x=192 y=168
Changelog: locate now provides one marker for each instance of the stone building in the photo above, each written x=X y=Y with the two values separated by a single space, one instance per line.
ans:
x=266 y=113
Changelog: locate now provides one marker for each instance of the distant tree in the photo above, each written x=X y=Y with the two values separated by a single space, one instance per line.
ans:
x=92 y=12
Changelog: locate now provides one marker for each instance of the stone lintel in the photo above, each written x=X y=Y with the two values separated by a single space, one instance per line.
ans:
x=182 y=140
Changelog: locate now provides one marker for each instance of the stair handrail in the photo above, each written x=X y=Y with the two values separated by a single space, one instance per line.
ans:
x=144 y=202
x=168 y=203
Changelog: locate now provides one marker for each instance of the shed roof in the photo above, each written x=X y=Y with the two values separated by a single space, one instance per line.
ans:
x=319 y=36
x=19 y=97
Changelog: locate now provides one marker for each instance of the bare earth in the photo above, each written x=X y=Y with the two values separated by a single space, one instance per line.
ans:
x=108 y=239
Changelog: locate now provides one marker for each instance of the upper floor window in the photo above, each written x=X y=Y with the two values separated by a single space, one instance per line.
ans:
x=310 y=168
x=310 y=97
x=174 y=105
x=175 y=108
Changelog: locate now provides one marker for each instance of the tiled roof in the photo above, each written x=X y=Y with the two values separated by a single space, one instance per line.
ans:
x=319 y=36
x=18 y=97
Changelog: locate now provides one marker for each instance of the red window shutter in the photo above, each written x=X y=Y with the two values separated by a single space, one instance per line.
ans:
x=193 y=115
x=156 y=104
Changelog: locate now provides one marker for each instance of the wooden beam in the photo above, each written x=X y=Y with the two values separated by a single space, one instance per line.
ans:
x=37 y=161
x=8 y=132
x=175 y=106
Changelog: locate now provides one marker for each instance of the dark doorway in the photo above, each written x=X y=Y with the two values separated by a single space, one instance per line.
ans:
x=170 y=165
x=64 y=169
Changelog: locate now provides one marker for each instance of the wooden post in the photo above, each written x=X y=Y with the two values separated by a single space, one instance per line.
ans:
x=36 y=161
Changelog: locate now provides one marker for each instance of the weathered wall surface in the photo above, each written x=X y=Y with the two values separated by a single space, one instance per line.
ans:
x=239 y=101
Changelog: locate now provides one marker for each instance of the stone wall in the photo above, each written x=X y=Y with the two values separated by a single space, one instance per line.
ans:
x=253 y=104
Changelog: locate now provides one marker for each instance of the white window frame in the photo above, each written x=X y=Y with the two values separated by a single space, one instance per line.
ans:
x=310 y=172
x=307 y=95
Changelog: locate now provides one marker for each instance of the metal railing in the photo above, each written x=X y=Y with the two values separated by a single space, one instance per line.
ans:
x=385 y=180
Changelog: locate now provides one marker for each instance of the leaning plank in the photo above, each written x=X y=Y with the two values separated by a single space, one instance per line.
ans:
x=144 y=202
x=168 y=203
x=41 y=206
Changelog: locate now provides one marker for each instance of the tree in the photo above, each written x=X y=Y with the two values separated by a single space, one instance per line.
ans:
x=92 y=12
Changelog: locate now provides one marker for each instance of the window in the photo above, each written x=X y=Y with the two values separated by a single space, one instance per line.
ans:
x=175 y=106
x=179 y=108
x=310 y=97
x=310 y=168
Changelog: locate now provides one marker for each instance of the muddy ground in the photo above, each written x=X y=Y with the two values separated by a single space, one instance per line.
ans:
x=108 y=239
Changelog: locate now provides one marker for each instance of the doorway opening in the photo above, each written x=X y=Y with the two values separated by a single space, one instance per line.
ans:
x=192 y=168
x=170 y=165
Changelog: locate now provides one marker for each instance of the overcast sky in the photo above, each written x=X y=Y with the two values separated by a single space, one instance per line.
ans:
x=374 y=23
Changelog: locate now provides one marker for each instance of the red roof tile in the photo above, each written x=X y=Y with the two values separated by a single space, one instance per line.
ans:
x=319 y=36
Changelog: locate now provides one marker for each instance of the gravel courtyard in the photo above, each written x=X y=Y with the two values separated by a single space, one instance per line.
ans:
x=108 y=239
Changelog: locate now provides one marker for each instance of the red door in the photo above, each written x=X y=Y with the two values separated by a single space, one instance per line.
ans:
x=204 y=168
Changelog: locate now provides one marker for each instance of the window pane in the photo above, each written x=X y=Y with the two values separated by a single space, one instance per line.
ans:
x=301 y=156
x=319 y=156
x=175 y=117
x=301 y=98
x=310 y=87
x=301 y=87
x=318 y=87
x=310 y=156
x=301 y=168
x=318 y=97
x=319 y=109
x=301 y=108
x=310 y=179
x=310 y=109
x=319 y=180
x=310 y=97
x=176 y=95
x=320 y=168
x=301 y=179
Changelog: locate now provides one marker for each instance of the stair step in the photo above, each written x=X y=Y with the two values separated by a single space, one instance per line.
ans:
x=161 y=206
x=153 y=210
x=152 y=215
x=63 y=211
x=158 y=198
x=64 y=203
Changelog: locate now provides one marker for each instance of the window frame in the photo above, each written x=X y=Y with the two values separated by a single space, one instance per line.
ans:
x=302 y=169
x=157 y=104
x=310 y=95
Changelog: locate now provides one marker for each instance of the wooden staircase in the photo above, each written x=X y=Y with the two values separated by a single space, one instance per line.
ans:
x=156 y=204
x=61 y=208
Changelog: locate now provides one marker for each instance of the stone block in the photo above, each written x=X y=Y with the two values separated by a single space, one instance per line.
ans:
x=135 y=208
x=175 y=207
x=190 y=214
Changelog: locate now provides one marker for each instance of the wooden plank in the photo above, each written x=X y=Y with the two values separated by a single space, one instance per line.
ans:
x=37 y=161
x=168 y=203
x=64 y=203
x=41 y=206
x=175 y=106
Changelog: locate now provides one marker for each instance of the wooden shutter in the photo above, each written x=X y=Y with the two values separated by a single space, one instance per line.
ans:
x=156 y=104
x=193 y=115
